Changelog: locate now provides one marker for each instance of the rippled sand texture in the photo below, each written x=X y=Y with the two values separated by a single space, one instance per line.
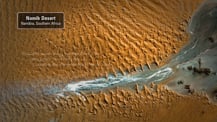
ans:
x=100 y=37
x=120 y=105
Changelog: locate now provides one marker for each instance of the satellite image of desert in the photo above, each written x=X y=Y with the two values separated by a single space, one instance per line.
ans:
x=108 y=61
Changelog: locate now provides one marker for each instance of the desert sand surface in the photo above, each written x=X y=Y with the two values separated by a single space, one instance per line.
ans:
x=99 y=38
x=102 y=40
x=156 y=104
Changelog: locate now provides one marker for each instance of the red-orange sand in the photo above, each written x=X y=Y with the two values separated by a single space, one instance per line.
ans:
x=99 y=37
x=118 y=105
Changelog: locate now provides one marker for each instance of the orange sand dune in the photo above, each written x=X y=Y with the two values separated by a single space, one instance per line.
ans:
x=120 y=105
x=99 y=37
